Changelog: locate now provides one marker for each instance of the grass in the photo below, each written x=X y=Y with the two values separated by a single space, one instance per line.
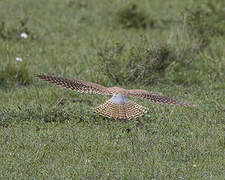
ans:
x=49 y=133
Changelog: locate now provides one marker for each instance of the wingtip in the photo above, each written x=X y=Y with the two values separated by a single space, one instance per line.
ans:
x=42 y=76
x=190 y=104
x=38 y=75
x=194 y=105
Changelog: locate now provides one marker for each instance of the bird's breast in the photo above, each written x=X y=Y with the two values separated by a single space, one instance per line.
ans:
x=119 y=99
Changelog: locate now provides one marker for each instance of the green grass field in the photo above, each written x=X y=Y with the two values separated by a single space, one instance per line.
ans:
x=175 y=48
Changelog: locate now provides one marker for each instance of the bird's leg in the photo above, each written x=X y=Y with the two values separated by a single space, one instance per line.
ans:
x=60 y=101
x=139 y=124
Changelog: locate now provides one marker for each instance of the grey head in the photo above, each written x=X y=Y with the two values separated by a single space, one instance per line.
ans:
x=119 y=99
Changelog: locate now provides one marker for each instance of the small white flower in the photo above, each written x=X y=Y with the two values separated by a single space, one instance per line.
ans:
x=24 y=35
x=194 y=165
x=87 y=161
x=18 y=59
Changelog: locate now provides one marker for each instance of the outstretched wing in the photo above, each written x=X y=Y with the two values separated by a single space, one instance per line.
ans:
x=136 y=93
x=76 y=85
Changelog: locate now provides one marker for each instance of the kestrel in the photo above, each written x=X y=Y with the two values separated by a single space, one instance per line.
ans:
x=118 y=106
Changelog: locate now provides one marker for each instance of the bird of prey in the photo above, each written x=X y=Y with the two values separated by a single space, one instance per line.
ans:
x=118 y=106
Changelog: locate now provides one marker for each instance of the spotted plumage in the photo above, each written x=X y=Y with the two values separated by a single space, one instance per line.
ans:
x=118 y=106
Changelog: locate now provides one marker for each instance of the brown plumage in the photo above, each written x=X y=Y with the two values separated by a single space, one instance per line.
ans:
x=118 y=106
x=124 y=111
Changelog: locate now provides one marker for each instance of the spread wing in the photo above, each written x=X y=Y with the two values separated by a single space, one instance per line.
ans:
x=136 y=93
x=76 y=85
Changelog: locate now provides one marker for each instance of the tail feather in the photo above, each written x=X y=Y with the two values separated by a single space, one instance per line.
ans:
x=121 y=111
x=134 y=110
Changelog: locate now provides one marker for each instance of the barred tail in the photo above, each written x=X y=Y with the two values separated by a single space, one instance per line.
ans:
x=128 y=111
